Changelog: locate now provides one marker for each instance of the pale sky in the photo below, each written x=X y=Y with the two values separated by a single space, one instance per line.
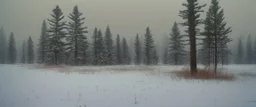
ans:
x=126 y=17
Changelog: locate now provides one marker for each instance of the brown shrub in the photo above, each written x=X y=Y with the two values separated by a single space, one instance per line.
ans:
x=204 y=74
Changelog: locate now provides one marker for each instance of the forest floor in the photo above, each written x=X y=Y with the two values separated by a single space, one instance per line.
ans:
x=122 y=86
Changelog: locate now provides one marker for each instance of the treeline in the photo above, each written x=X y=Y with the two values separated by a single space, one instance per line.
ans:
x=64 y=42
x=246 y=51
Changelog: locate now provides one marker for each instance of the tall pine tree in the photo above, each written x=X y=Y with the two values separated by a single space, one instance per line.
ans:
x=118 y=50
x=109 y=47
x=137 y=47
x=56 y=36
x=126 y=59
x=42 y=44
x=77 y=41
x=206 y=52
x=2 y=46
x=30 y=49
x=23 y=54
x=98 y=48
x=249 y=51
x=149 y=47
x=191 y=16
x=12 y=52
x=176 y=46
x=240 y=52
x=220 y=32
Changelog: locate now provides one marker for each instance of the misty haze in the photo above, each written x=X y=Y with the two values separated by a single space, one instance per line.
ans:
x=127 y=53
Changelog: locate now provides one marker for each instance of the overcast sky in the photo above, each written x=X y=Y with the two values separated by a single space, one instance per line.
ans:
x=126 y=17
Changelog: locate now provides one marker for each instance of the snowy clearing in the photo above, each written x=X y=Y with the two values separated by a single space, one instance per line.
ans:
x=122 y=86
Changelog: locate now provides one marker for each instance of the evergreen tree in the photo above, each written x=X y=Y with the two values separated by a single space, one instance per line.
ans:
x=12 y=50
x=155 y=57
x=220 y=32
x=206 y=52
x=98 y=48
x=177 y=48
x=149 y=47
x=56 y=36
x=137 y=46
x=165 y=56
x=249 y=51
x=109 y=46
x=191 y=16
x=23 y=56
x=30 y=49
x=77 y=38
x=240 y=55
x=42 y=44
x=125 y=52
x=118 y=50
x=2 y=46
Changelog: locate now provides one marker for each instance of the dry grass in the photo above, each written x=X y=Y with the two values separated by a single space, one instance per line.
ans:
x=204 y=74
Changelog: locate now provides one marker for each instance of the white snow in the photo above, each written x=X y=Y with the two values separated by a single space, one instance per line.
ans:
x=121 y=86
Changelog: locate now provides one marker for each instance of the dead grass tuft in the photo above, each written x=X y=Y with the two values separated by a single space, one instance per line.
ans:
x=204 y=74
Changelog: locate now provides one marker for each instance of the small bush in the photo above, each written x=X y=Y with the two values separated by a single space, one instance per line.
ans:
x=204 y=74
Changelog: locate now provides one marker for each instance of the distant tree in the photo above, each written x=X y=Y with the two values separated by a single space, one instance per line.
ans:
x=56 y=36
x=125 y=52
x=249 y=51
x=23 y=56
x=77 y=41
x=240 y=54
x=109 y=47
x=220 y=32
x=30 y=49
x=42 y=44
x=155 y=57
x=191 y=16
x=2 y=46
x=98 y=48
x=149 y=47
x=118 y=50
x=137 y=47
x=176 y=46
x=165 y=56
x=12 y=52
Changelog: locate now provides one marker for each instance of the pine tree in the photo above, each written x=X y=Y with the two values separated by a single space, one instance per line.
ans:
x=155 y=57
x=56 y=36
x=23 y=56
x=42 y=44
x=177 y=48
x=191 y=16
x=165 y=56
x=137 y=47
x=77 y=38
x=249 y=50
x=118 y=50
x=149 y=47
x=12 y=50
x=109 y=47
x=30 y=49
x=206 y=52
x=2 y=46
x=240 y=55
x=126 y=59
x=220 y=32
x=98 y=48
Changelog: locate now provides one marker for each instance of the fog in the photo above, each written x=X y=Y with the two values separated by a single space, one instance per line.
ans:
x=125 y=17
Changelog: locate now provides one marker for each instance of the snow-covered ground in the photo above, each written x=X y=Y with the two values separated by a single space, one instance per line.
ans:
x=121 y=86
